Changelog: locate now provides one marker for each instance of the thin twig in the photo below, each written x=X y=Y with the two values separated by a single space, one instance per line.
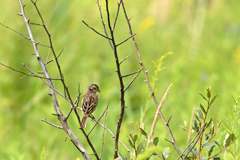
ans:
x=24 y=36
x=103 y=132
x=115 y=20
x=156 y=116
x=49 y=81
x=132 y=80
x=98 y=119
x=85 y=155
x=76 y=145
x=72 y=107
x=148 y=82
x=104 y=26
x=52 y=87
x=31 y=74
x=44 y=120
x=197 y=135
x=59 y=53
x=114 y=48
x=113 y=136
x=95 y=31
x=125 y=40
x=139 y=55
x=124 y=59
x=130 y=74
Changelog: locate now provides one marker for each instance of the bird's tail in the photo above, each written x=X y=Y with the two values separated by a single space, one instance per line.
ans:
x=84 y=121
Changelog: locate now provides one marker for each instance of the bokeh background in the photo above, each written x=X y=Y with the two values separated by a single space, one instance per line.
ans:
x=201 y=35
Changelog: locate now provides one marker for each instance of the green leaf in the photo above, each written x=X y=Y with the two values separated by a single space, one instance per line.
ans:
x=202 y=96
x=135 y=137
x=209 y=94
x=166 y=153
x=210 y=151
x=216 y=158
x=208 y=124
x=229 y=151
x=211 y=102
x=229 y=129
x=193 y=151
x=209 y=145
x=202 y=108
x=155 y=141
x=207 y=136
x=140 y=148
x=229 y=140
x=230 y=123
x=131 y=143
x=154 y=153
x=212 y=129
x=236 y=145
x=199 y=113
x=143 y=132
x=218 y=144
x=163 y=157
x=197 y=118
x=121 y=156
x=196 y=128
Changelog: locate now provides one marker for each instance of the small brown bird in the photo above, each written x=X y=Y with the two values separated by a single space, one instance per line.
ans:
x=89 y=102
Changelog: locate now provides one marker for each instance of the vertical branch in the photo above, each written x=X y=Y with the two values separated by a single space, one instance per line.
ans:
x=156 y=116
x=139 y=55
x=114 y=48
x=148 y=82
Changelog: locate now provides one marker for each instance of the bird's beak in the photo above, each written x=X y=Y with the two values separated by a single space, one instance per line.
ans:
x=99 y=90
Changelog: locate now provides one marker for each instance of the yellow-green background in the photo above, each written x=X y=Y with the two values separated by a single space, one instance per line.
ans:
x=202 y=56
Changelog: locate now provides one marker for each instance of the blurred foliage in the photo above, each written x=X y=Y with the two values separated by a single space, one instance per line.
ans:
x=204 y=40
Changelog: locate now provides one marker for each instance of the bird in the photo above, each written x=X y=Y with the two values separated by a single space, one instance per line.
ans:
x=89 y=102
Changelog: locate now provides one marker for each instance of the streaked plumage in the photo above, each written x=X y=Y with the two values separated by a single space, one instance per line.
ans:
x=89 y=102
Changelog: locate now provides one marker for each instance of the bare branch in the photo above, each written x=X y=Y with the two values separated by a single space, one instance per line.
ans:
x=95 y=30
x=115 y=21
x=44 y=120
x=130 y=74
x=132 y=80
x=104 y=26
x=126 y=40
x=104 y=126
x=156 y=116
x=99 y=119
x=147 y=80
x=103 y=133
x=197 y=135
x=51 y=86
x=23 y=35
x=139 y=55
x=124 y=59
x=60 y=54
x=73 y=107
x=49 y=82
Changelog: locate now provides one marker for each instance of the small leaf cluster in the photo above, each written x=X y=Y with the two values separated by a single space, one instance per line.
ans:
x=203 y=146
x=142 y=152
x=231 y=123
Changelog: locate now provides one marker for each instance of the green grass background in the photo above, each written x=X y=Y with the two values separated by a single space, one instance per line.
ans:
x=202 y=57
